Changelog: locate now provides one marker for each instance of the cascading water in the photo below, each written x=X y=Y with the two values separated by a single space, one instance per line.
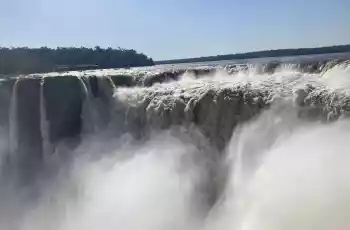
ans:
x=13 y=139
x=299 y=180
x=87 y=113
x=44 y=126
x=246 y=151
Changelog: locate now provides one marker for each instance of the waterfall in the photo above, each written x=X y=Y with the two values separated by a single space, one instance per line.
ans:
x=48 y=149
x=88 y=114
x=13 y=128
x=242 y=148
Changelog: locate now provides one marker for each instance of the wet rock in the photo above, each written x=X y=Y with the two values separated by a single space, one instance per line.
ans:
x=217 y=113
x=300 y=96
x=101 y=104
x=6 y=86
x=200 y=72
x=63 y=102
x=28 y=152
x=91 y=83
x=270 y=67
x=123 y=80
x=162 y=77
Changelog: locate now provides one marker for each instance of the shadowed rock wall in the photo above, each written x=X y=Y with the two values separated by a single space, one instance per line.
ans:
x=28 y=152
x=63 y=102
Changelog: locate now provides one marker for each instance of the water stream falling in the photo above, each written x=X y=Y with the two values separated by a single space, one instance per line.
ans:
x=240 y=152
x=13 y=138
x=48 y=149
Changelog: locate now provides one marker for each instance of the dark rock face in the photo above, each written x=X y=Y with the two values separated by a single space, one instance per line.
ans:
x=201 y=71
x=63 y=102
x=270 y=67
x=98 y=104
x=93 y=83
x=217 y=113
x=174 y=75
x=6 y=87
x=123 y=80
x=29 y=140
x=162 y=77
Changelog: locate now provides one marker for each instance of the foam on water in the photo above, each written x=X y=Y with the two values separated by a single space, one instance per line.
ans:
x=298 y=180
x=337 y=77
x=280 y=172
x=286 y=175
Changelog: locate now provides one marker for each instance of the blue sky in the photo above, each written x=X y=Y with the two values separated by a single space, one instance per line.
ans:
x=168 y=29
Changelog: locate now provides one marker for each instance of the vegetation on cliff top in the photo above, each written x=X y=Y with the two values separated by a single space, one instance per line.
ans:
x=25 y=60
x=265 y=53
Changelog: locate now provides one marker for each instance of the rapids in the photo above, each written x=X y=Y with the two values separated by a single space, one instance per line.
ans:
x=240 y=147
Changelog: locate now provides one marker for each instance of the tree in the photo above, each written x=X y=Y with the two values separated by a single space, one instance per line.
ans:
x=26 y=60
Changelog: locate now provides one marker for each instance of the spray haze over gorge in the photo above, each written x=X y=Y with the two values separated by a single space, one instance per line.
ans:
x=245 y=146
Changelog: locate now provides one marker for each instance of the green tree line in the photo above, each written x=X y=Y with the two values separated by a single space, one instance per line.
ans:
x=38 y=60
x=265 y=53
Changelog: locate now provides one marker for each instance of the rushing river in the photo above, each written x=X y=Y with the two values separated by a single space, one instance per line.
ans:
x=242 y=148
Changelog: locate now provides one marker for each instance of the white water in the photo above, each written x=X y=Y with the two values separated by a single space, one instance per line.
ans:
x=283 y=174
x=13 y=121
x=300 y=180
x=45 y=127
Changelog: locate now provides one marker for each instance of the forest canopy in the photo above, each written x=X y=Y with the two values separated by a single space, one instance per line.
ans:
x=265 y=53
x=25 y=60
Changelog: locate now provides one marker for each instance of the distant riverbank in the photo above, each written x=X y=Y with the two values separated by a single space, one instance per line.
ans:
x=25 y=60
x=261 y=54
